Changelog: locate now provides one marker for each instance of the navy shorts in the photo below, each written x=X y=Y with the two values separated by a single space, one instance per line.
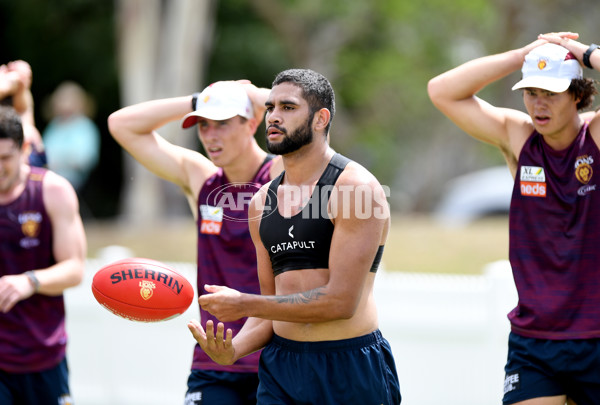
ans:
x=219 y=387
x=360 y=370
x=541 y=368
x=42 y=387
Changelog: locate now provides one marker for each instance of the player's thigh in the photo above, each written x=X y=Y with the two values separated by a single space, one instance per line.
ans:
x=533 y=372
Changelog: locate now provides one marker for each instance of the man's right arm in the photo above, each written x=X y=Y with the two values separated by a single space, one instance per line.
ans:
x=220 y=344
x=454 y=94
x=134 y=128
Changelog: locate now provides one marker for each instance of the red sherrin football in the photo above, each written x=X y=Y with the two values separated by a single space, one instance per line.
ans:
x=142 y=290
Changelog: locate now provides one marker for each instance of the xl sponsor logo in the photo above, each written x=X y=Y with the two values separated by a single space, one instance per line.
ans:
x=533 y=181
x=533 y=173
x=212 y=219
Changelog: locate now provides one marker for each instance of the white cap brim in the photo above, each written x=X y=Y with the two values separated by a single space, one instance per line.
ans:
x=216 y=114
x=555 y=85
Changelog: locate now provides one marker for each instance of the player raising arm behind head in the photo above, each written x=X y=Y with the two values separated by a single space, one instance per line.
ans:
x=225 y=117
x=553 y=155
x=42 y=253
x=319 y=231
x=15 y=90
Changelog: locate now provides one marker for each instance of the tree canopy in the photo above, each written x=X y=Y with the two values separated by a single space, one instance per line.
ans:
x=378 y=55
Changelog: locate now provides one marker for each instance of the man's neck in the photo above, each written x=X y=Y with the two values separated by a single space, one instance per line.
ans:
x=305 y=166
x=244 y=170
x=9 y=195
x=564 y=138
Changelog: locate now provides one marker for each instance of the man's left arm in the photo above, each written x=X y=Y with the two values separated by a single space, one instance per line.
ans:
x=69 y=248
x=69 y=240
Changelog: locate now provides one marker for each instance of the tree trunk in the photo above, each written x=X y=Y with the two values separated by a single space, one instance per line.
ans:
x=162 y=49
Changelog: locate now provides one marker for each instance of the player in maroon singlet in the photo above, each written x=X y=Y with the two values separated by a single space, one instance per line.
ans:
x=218 y=189
x=552 y=152
x=42 y=253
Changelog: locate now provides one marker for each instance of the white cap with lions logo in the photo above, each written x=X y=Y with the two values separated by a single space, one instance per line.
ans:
x=220 y=101
x=549 y=67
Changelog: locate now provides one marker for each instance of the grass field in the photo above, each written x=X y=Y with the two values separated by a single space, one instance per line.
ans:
x=415 y=243
x=419 y=244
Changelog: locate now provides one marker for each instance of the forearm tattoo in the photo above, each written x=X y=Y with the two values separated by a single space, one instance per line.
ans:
x=304 y=297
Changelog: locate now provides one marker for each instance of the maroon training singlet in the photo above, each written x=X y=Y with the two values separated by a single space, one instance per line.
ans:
x=32 y=334
x=555 y=240
x=226 y=253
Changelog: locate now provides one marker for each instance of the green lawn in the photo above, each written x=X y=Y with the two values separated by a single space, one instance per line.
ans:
x=418 y=244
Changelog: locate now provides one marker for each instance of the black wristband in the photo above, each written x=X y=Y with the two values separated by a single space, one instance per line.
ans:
x=194 y=100
x=587 y=54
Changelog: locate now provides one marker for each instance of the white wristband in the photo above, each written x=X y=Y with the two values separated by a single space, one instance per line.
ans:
x=33 y=280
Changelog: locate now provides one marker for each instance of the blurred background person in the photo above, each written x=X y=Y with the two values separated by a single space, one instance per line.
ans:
x=71 y=138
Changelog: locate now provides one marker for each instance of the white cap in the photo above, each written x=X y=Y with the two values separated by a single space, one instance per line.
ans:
x=220 y=101
x=549 y=67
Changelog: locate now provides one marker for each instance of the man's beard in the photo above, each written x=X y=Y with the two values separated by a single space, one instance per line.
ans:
x=292 y=142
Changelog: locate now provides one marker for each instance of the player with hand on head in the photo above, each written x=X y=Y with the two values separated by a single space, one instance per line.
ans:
x=554 y=345
x=226 y=116
x=42 y=253
x=15 y=91
x=317 y=259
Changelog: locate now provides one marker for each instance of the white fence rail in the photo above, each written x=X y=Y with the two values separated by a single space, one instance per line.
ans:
x=448 y=333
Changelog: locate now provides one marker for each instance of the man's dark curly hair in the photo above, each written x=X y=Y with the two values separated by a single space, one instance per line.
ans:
x=11 y=126
x=584 y=89
x=316 y=89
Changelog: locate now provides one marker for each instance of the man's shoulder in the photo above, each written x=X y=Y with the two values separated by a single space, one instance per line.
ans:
x=58 y=191
x=594 y=127
x=356 y=174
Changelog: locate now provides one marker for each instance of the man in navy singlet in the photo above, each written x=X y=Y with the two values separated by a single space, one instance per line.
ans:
x=552 y=152
x=319 y=231
x=42 y=253
x=219 y=189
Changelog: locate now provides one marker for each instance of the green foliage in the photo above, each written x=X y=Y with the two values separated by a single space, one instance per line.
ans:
x=70 y=40
x=378 y=54
x=61 y=39
x=244 y=47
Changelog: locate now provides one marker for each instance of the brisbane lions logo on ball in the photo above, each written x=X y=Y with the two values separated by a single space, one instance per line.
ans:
x=146 y=289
